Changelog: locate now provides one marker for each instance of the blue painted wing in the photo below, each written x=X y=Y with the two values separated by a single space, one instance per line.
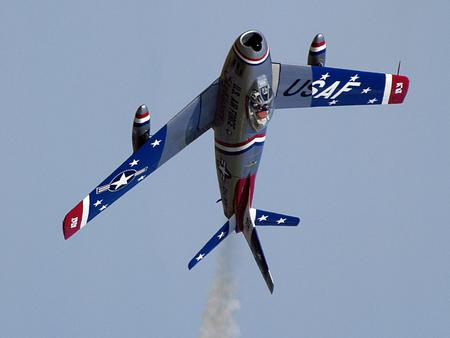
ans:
x=218 y=237
x=191 y=122
x=309 y=86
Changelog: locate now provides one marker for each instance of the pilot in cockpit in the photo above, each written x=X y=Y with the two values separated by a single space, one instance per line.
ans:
x=260 y=103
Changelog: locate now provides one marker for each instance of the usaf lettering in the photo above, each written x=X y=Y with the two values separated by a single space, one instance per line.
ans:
x=314 y=91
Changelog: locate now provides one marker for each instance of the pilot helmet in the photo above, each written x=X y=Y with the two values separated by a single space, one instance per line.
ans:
x=260 y=103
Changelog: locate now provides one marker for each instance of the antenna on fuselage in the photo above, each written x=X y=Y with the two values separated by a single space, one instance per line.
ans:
x=398 y=68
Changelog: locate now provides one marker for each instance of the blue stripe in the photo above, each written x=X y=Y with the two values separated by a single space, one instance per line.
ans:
x=318 y=53
x=135 y=124
x=256 y=144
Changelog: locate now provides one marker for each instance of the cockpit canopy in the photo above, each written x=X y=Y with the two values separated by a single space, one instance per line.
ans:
x=260 y=99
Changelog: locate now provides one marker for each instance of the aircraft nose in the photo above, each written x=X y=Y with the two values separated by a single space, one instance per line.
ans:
x=252 y=47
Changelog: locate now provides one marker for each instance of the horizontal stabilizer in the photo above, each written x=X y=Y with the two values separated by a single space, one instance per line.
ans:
x=218 y=237
x=268 y=218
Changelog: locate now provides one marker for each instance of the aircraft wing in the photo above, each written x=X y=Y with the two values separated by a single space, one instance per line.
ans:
x=191 y=122
x=310 y=86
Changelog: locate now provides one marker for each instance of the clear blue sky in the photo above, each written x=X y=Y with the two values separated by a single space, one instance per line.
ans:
x=371 y=184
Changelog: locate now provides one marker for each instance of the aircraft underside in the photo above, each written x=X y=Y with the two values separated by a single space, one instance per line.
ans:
x=238 y=107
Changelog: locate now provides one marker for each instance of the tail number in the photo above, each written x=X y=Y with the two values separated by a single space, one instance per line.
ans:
x=73 y=222
x=399 y=88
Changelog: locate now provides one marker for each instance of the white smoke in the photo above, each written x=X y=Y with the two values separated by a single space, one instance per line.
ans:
x=222 y=304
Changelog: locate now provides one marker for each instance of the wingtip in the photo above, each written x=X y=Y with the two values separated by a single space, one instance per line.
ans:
x=66 y=237
x=66 y=227
x=399 y=89
x=74 y=220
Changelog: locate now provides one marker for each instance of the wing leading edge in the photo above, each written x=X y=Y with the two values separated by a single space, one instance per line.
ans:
x=310 y=86
x=191 y=122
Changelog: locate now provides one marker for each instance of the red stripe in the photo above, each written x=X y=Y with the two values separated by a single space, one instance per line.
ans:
x=72 y=221
x=250 y=59
x=258 y=59
x=243 y=196
x=252 y=188
x=235 y=145
x=317 y=44
x=399 y=89
x=140 y=116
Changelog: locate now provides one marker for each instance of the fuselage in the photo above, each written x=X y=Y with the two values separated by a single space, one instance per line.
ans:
x=243 y=111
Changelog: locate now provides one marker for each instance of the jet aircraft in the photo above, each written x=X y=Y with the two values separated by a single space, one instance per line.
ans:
x=238 y=106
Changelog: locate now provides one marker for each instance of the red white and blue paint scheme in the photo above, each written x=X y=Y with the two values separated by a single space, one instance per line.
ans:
x=238 y=107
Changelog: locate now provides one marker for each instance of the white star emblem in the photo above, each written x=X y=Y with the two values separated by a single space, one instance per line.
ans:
x=365 y=91
x=199 y=257
x=263 y=218
x=333 y=102
x=103 y=207
x=325 y=76
x=141 y=178
x=122 y=181
x=96 y=204
x=372 y=100
x=354 y=78
x=155 y=143
x=221 y=235
x=133 y=163
x=281 y=220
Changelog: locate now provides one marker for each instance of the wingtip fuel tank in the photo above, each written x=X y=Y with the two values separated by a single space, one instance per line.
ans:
x=141 y=127
x=317 y=51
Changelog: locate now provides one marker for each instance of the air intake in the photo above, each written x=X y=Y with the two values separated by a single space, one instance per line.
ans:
x=252 y=40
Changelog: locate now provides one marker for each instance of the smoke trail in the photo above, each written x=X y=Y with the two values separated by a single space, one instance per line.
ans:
x=222 y=304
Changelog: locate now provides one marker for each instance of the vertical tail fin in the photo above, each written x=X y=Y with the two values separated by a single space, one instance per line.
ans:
x=251 y=235
x=257 y=217
x=258 y=253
